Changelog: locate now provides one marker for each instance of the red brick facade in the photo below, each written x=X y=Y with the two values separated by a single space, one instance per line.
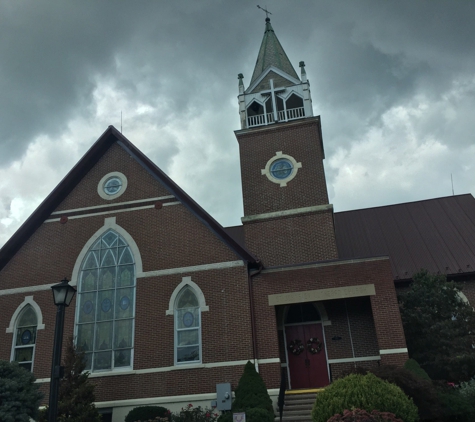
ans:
x=297 y=252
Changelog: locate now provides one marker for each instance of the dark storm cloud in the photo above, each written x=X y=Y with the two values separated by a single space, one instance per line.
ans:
x=390 y=76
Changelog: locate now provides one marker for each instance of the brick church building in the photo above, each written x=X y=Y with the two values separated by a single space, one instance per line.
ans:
x=169 y=303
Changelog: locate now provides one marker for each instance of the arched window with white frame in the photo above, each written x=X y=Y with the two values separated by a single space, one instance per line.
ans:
x=105 y=313
x=24 y=341
x=187 y=327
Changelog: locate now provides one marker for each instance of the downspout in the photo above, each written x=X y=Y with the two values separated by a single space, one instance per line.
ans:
x=253 y=316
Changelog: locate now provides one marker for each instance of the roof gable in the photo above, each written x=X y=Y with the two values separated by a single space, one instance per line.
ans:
x=109 y=138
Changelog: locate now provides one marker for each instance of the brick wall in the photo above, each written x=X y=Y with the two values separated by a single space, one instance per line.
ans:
x=170 y=237
x=293 y=239
x=301 y=141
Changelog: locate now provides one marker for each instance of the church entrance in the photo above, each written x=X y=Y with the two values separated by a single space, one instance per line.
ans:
x=305 y=347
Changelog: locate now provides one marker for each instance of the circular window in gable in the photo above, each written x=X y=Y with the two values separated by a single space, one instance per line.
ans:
x=112 y=185
x=281 y=168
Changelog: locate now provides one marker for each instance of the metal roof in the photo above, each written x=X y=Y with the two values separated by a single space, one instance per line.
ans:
x=436 y=234
x=271 y=53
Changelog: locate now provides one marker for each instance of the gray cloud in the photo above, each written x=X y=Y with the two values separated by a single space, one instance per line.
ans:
x=395 y=77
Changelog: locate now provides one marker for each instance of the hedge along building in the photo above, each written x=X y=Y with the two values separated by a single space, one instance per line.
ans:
x=170 y=303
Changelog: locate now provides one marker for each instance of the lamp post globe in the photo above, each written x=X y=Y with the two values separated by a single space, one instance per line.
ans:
x=63 y=294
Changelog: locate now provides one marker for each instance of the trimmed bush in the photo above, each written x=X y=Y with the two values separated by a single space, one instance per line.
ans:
x=415 y=368
x=367 y=392
x=144 y=413
x=422 y=391
x=252 y=398
x=359 y=415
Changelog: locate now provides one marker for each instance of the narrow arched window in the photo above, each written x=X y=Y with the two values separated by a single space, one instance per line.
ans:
x=187 y=327
x=25 y=338
x=106 y=304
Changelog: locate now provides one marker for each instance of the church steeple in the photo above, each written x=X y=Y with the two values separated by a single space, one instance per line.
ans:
x=271 y=53
x=275 y=93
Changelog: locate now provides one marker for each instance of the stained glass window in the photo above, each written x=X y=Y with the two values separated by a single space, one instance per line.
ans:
x=106 y=301
x=25 y=338
x=187 y=327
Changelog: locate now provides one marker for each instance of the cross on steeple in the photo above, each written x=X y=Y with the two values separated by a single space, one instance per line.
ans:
x=265 y=10
x=272 y=91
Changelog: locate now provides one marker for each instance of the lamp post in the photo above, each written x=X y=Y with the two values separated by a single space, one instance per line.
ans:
x=63 y=294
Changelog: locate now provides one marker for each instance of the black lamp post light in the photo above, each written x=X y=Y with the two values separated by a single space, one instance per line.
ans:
x=63 y=294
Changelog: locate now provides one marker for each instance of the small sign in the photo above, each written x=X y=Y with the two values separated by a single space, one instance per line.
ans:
x=239 y=417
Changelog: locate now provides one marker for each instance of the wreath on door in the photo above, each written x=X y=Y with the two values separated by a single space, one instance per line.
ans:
x=314 y=345
x=296 y=347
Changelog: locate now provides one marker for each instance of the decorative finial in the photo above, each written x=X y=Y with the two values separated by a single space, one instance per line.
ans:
x=240 y=77
x=267 y=13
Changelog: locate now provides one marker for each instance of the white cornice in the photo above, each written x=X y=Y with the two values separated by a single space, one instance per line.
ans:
x=286 y=213
x=266 y=72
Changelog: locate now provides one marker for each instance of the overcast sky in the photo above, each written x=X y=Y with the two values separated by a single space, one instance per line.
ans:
x=393 y=82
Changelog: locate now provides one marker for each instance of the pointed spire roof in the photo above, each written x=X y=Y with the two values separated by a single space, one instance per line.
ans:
x=271 y=53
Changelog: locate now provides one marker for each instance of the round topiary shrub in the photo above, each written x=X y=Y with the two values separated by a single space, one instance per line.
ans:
x=144 y=413
x=366 y=392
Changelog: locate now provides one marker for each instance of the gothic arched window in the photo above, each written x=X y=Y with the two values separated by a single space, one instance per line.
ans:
x=25 y=338
x=106 y=304
x=187 y=327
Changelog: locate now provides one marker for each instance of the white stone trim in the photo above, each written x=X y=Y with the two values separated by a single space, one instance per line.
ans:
x=392 y=351
x=39 y=316
x=347 y=360
x=175 y=368
x=157 y=273
x=323 y=264
x=266 y=72
x=282 y=182
x=115 y=204
x=322 y=294
x=74 y=217
x=109 y=223
x=285 y=213
x=29 y=289
x=193 y=268
x=186 y=281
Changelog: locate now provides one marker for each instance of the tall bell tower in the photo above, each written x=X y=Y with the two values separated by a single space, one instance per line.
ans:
x=287 y=217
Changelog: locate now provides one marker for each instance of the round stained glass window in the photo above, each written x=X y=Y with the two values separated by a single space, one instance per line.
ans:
x=112 y=185
x=124 y=303
x=106 y=305
x=87 y=308
x=188 y=319
x=281 y=168
x=26 y=337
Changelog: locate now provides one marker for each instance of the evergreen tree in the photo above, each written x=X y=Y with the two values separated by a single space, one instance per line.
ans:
x=19 y=395
x=76 y=393
x=251 y=397
x=439 y=328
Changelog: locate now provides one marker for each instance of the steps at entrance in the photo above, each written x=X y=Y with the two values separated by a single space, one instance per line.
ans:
x=298 y=406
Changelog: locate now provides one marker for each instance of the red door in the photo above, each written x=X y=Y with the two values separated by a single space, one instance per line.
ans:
x=306 y=356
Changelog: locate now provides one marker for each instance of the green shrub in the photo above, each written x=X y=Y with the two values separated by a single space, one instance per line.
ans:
x=190 y=413
x=422 y=391
x=359 y=415
x=366 y=392
x=251 y=397
x=19 y=394
x=467 y=389
x=415 y=368
x=456 y=406
x=144 y=413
